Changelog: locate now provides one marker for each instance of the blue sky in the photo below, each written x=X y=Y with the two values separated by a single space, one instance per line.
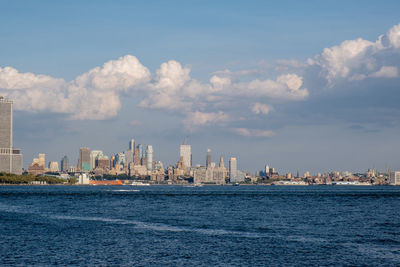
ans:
x=335 y=119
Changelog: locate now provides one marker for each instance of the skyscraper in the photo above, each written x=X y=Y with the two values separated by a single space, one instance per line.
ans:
x=64 y=164
x=208 y=158
x=221 y=162
x=84 y=159
x=132 y=145
x=233 y=169
x=93 y=156
x=10 y=158
x=149 y=157
x=186 y=153
x=141 y=152
x=132 y=148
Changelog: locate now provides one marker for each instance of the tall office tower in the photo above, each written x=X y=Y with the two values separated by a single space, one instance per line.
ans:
x=208 y=158
x=267 y=170
x=84 y=159
x=132 y=145
x=132 y=148
x=221 y=162
x=233 y=169
x=186 y=153
x=93 y=155
x=10 y=158
x=128 y=156
x=136 y=158
x=149 y=157
x=64 y=164
x=141 y=152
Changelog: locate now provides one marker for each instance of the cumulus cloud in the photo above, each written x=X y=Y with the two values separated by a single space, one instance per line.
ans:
x=197 y=118
x=386 y=72
x=253 y=132
x=259 y=108
x=94 y=95
x=355 y=60
x=224 y=98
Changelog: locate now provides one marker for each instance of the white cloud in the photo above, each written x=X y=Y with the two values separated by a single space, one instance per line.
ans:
x=386 y=72
x=359 y=59
x=94 y=95
x=259 y=108
x=197 y=118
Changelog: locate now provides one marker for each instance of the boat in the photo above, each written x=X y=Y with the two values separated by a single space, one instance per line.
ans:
x=235 y=184
x=139 y=184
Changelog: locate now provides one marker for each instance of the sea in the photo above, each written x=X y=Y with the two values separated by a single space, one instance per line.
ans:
x=199 y=226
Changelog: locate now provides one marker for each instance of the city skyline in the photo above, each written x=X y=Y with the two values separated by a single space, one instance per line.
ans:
x=250 y=87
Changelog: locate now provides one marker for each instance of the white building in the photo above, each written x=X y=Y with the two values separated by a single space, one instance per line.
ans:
x=83 y=179
x=53 y=166
x=149 y=156
x=395 y=178
x=186 y=153
x=233 y=169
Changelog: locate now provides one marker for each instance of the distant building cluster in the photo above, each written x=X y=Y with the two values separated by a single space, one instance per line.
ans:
x=138 y=162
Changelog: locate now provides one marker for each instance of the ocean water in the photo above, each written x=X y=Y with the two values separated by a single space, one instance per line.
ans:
x=199 y=226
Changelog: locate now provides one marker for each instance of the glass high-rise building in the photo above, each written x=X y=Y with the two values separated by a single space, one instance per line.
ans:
x=185 y=151
x=208 y=158
x=84 y=159
x=64 y=164
x=93 y=155
x=10 y=158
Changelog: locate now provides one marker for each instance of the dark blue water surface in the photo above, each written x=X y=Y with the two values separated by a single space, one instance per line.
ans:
x=199 y=226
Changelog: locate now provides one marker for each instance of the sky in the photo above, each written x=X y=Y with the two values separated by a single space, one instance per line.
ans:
x=298 y=85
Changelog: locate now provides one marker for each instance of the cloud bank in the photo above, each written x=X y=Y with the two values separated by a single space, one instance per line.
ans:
x=227 y=98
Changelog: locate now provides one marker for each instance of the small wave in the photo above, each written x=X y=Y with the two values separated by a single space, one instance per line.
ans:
x=14 y=209
x=125 y=190
x=161 y=227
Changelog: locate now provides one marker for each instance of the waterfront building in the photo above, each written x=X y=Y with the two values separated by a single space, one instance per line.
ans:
x=211 y=175
x=84 y=159
x=10 y=157
x=149 y=157
x=186 y=153
x=208 y=158
x=38 y=165
x=240 y=176
x=64 y=164
x=395 y=178
x=93 y=155
x=83 y=179
x=233 y=169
